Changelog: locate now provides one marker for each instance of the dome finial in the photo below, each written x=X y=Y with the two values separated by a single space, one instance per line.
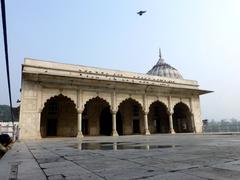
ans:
x=161 y=60
x=160 y=53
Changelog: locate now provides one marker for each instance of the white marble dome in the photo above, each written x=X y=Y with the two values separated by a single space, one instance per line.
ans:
x=164 y=70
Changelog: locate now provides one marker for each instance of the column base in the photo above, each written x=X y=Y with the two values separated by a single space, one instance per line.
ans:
x=79 y=135
x=194 y=131
x=32 y=136
x=115 y=133
x=147 y=132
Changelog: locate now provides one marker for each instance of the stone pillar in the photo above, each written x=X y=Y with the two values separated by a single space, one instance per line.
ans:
x=193 y=123
x=38 y=130
x=146 y=130
x=114 y=124
x=171 y=123
x=79 y=135
x=115 y=146
x=192 y=116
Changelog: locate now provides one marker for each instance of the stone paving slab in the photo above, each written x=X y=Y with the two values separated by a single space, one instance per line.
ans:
x=214 y=173
x=19 y=163
x=175 y=176
x=130 y=173
x=179 y=156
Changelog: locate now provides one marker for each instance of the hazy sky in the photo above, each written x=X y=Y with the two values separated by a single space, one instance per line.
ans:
x=200 y=38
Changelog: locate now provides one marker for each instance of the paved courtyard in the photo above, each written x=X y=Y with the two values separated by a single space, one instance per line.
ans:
x=181 y=156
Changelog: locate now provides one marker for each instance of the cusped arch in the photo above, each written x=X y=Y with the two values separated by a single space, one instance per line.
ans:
x=160 y=102
x=55 y=97
x=182 y=104
x=129 y=99
x=59 y=117
x=49 y=93
x=158 y=117
x=182 y=121
x=96 y=116
x=96 y=98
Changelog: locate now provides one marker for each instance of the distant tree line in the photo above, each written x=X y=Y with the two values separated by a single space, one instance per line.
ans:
x=224 y=125
x=5 y=113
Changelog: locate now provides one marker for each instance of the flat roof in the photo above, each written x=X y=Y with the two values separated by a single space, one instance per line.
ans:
x=33 y=66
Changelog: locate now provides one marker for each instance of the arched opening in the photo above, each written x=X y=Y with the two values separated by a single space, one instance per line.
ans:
x=106 y=122
x=119 y=123
x=97 y=118
x=85 y=123
x=130 y=118
x=59 y=117
x=182 y=122
x=158 y=118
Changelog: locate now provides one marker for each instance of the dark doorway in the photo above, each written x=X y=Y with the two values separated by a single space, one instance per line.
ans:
x=52 y=127
x=84 y=123
x=130 y=118
x=158 y=125
x=97 y=117
x=106 y=122
x=119 y=123
x=182 y=122
x=136 y=126
x=158 y=118
x=85 y=127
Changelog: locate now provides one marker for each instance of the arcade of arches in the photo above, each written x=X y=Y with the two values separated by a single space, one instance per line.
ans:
x=60 y=117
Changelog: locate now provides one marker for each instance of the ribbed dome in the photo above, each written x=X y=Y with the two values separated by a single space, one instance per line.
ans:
x=164 y=70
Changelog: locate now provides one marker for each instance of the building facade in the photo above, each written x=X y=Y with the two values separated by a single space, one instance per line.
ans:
x=75 y=101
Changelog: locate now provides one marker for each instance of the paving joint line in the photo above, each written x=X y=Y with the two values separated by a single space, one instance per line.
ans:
x=75 y=163
x=36 y=160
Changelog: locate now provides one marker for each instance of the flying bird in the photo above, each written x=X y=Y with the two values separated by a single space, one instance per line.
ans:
x=141 y=12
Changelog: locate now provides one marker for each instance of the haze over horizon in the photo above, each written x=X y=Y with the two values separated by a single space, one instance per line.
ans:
x=199 y=38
